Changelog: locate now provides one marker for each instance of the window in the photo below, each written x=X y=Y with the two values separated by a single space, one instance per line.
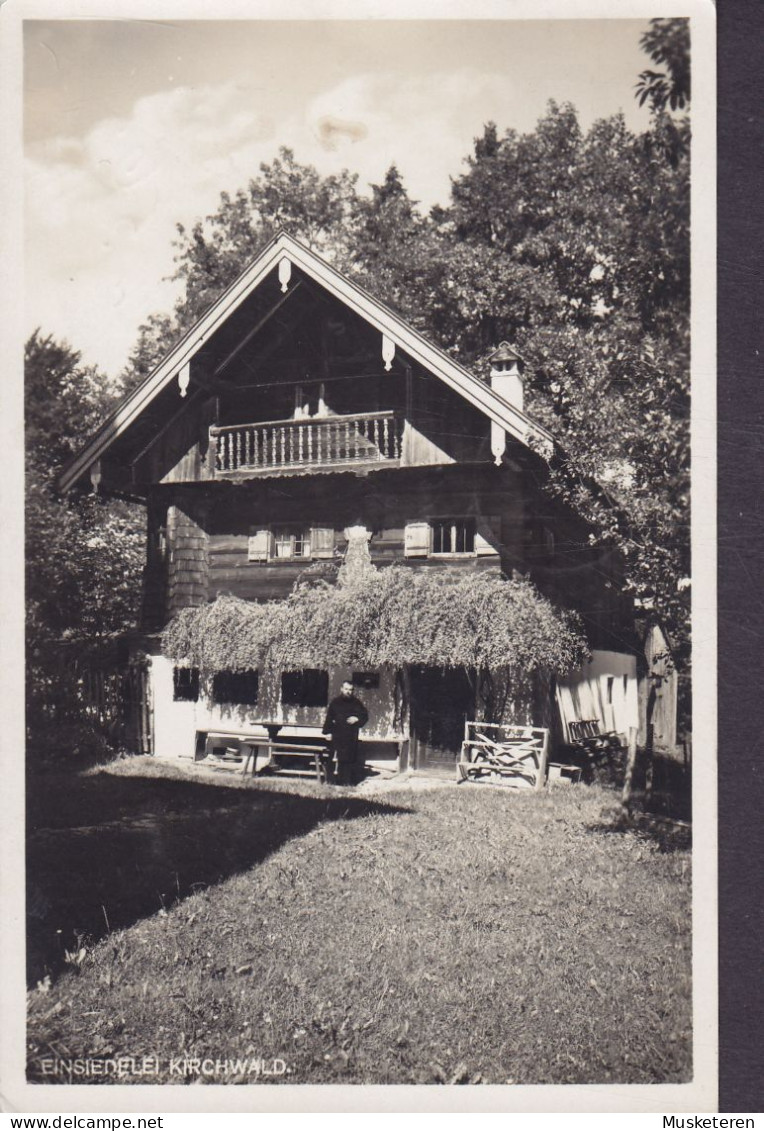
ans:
x=453 y=536
x=185 y=684
x=290 y=543
x=306 y=688
x=366 y=680
x=235 y=687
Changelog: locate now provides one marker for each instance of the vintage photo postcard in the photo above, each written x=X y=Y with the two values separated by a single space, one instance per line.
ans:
x=359 y=675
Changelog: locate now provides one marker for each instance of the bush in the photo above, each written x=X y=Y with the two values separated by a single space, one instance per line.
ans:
x=76 y=743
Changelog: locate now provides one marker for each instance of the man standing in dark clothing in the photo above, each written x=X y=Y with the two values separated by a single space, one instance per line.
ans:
x=345 y=716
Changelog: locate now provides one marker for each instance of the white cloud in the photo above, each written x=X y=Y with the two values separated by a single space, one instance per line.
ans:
x=101 y=210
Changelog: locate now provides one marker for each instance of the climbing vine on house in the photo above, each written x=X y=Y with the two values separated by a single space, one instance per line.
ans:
x=390 y=617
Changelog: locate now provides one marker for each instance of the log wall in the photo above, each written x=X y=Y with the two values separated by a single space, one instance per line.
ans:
x=208 y=528
x=494 y=500
x=187 y=560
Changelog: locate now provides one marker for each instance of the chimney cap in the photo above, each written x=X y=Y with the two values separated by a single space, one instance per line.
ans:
x=505 y=352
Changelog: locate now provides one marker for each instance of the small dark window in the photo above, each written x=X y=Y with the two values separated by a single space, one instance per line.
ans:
x=235 y=687
x=309 y=400
x=366 y=679
x=610 y=681
x=306 y=688
x=453 y=536
x=185 y=684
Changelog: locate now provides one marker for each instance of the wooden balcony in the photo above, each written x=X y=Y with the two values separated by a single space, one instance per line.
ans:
x=316 y=443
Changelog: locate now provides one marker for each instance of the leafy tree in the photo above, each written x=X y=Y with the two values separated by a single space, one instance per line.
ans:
x=667 y=42
x=84 y=555
x=597 y=216
x=606 y=329
x=63 y=402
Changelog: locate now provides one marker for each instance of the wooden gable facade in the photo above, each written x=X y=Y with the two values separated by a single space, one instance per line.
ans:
x=296 y=413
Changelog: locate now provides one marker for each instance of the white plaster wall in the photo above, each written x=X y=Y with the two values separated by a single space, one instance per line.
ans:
x=583 y=694
x=176 y=723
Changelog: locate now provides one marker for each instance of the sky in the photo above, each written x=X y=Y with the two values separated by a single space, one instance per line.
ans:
x=131 y=126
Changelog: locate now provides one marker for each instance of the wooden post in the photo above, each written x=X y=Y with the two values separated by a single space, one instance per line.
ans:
x=649 y=763
x=406 y=718
x=543 y=762
x=631 y=761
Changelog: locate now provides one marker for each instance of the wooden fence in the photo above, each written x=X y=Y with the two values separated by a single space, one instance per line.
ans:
x=117 y=700
x=98 y=687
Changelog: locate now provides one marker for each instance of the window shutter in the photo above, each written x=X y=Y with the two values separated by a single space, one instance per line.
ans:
x=488 y=535
x=259 y=546
x=417 y=540
x=321 y=542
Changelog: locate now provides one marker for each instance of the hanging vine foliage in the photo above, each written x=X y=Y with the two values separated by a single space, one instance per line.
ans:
x=389 y=617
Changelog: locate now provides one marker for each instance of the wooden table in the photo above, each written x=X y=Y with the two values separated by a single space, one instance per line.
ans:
x=272 y=746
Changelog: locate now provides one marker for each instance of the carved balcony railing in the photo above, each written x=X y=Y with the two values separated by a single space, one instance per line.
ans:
x=315 y=442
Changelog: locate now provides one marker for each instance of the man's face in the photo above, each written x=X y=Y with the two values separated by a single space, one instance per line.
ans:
x=346 y=689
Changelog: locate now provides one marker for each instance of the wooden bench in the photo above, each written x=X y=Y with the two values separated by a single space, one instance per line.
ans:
x=591 y=747
x=512 y=755
x=588 y=735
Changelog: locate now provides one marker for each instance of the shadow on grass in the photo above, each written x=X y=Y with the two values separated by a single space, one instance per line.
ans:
x=670 y=835
x=105 y=850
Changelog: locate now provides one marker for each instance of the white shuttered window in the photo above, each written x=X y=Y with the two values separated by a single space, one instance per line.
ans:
x=453 y=537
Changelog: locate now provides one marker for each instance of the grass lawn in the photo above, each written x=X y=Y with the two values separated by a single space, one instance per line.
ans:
x=414 y=935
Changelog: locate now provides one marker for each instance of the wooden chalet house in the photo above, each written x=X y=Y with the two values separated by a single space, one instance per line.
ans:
x=300 y=414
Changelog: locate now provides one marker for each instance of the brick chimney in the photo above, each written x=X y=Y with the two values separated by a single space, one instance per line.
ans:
x=506 y=378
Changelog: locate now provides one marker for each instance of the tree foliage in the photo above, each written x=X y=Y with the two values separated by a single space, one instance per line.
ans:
x=63 y=402
x=389 y=617
x=601 y=223
x=84 y=555
x=667 y=42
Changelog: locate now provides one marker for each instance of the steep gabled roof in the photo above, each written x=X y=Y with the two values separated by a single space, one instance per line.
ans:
x=286 y=247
